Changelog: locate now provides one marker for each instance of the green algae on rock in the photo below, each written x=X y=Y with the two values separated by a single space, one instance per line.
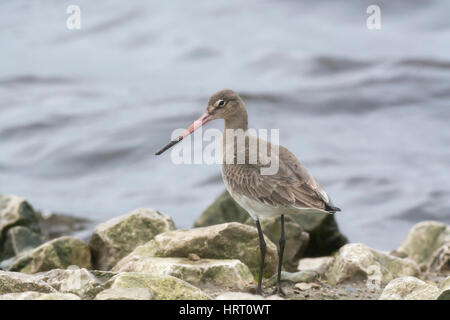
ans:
x=59 y=253
x=224 y=241
x=164 y=287
x=225 y=273
x=114 y=239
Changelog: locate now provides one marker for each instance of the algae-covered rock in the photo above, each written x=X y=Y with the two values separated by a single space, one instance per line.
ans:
x=56 y=254
x=296 y=239
x=409 y=288
x=324 y=235
x=114 y=239
x=355 y=261
x=444 y=290
x=224 y=241
x=15 y=211
x=20 y=239
x=126 y=294
x=319 y=265
x=426 y=244
x=164 y=287
x=12 y=282
x=204 y=272
x=223 y=209
x=74 y=280
x=31 y=295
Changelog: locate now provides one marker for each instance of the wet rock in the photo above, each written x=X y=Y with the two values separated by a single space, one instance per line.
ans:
x=12 y=282
x=245 y=296
x=224 y=241
x=20 y=239
x=300 y=276
x=319 y=265
x=355 y=261
x=324 y=235
x=74 y=280
x=164 y=287
x=427 y=244
x=409 y=288
x=59 y=253
x=296 y=239
x=205 y=272
x=126 y=294
x=444 y=290
x=114 y=239
x=31 y=295
x=15 y=211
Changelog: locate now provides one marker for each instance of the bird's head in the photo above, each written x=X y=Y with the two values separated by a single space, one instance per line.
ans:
x=224 y=104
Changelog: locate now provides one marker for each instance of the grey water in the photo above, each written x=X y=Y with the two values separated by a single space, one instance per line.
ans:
x=82 y=112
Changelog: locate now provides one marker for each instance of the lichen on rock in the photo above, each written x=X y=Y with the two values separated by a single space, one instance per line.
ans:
x=164 y=287
x=59 y=253
x=114 y=239
x=225 y=241
x=232 y=274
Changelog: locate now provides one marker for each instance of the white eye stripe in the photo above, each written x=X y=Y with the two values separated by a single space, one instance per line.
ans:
x=220 y=103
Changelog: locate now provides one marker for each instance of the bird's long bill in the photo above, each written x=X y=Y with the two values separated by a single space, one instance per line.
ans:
x=205 y=118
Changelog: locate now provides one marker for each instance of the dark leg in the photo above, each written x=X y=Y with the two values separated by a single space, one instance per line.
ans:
x=282 y=242
x=262 y=247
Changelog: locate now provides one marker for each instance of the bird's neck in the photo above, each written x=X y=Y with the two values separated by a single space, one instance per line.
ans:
x=240 y=121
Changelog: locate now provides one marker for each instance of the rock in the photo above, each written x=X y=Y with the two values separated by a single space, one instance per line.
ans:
x=303 y=286
x=245 y=296
x=125 y=294
x=223 y=209
x=15 y=211
x=301 y=276
x=12 y=282
x=296 y=239
x=319 y=265
x=441 y=260
x=56 y=254
x=204 y=273
x=444 y=290
x=114 y=239
x=164 y=287
x=324 y=235
x=425 y=242
x=20 y=239
x=31 y=295
x=355 y=261
x=74 y=280
x=409 y=288
x=224 y=241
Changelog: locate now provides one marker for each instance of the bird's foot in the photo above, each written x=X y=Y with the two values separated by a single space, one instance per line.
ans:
x=279 y=291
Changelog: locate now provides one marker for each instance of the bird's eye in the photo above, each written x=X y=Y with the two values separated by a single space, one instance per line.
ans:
x=221 y=103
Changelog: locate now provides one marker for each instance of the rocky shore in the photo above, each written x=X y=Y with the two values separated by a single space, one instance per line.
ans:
x=142 y=255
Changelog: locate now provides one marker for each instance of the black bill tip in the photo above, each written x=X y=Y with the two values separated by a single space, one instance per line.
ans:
x=168 y=146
